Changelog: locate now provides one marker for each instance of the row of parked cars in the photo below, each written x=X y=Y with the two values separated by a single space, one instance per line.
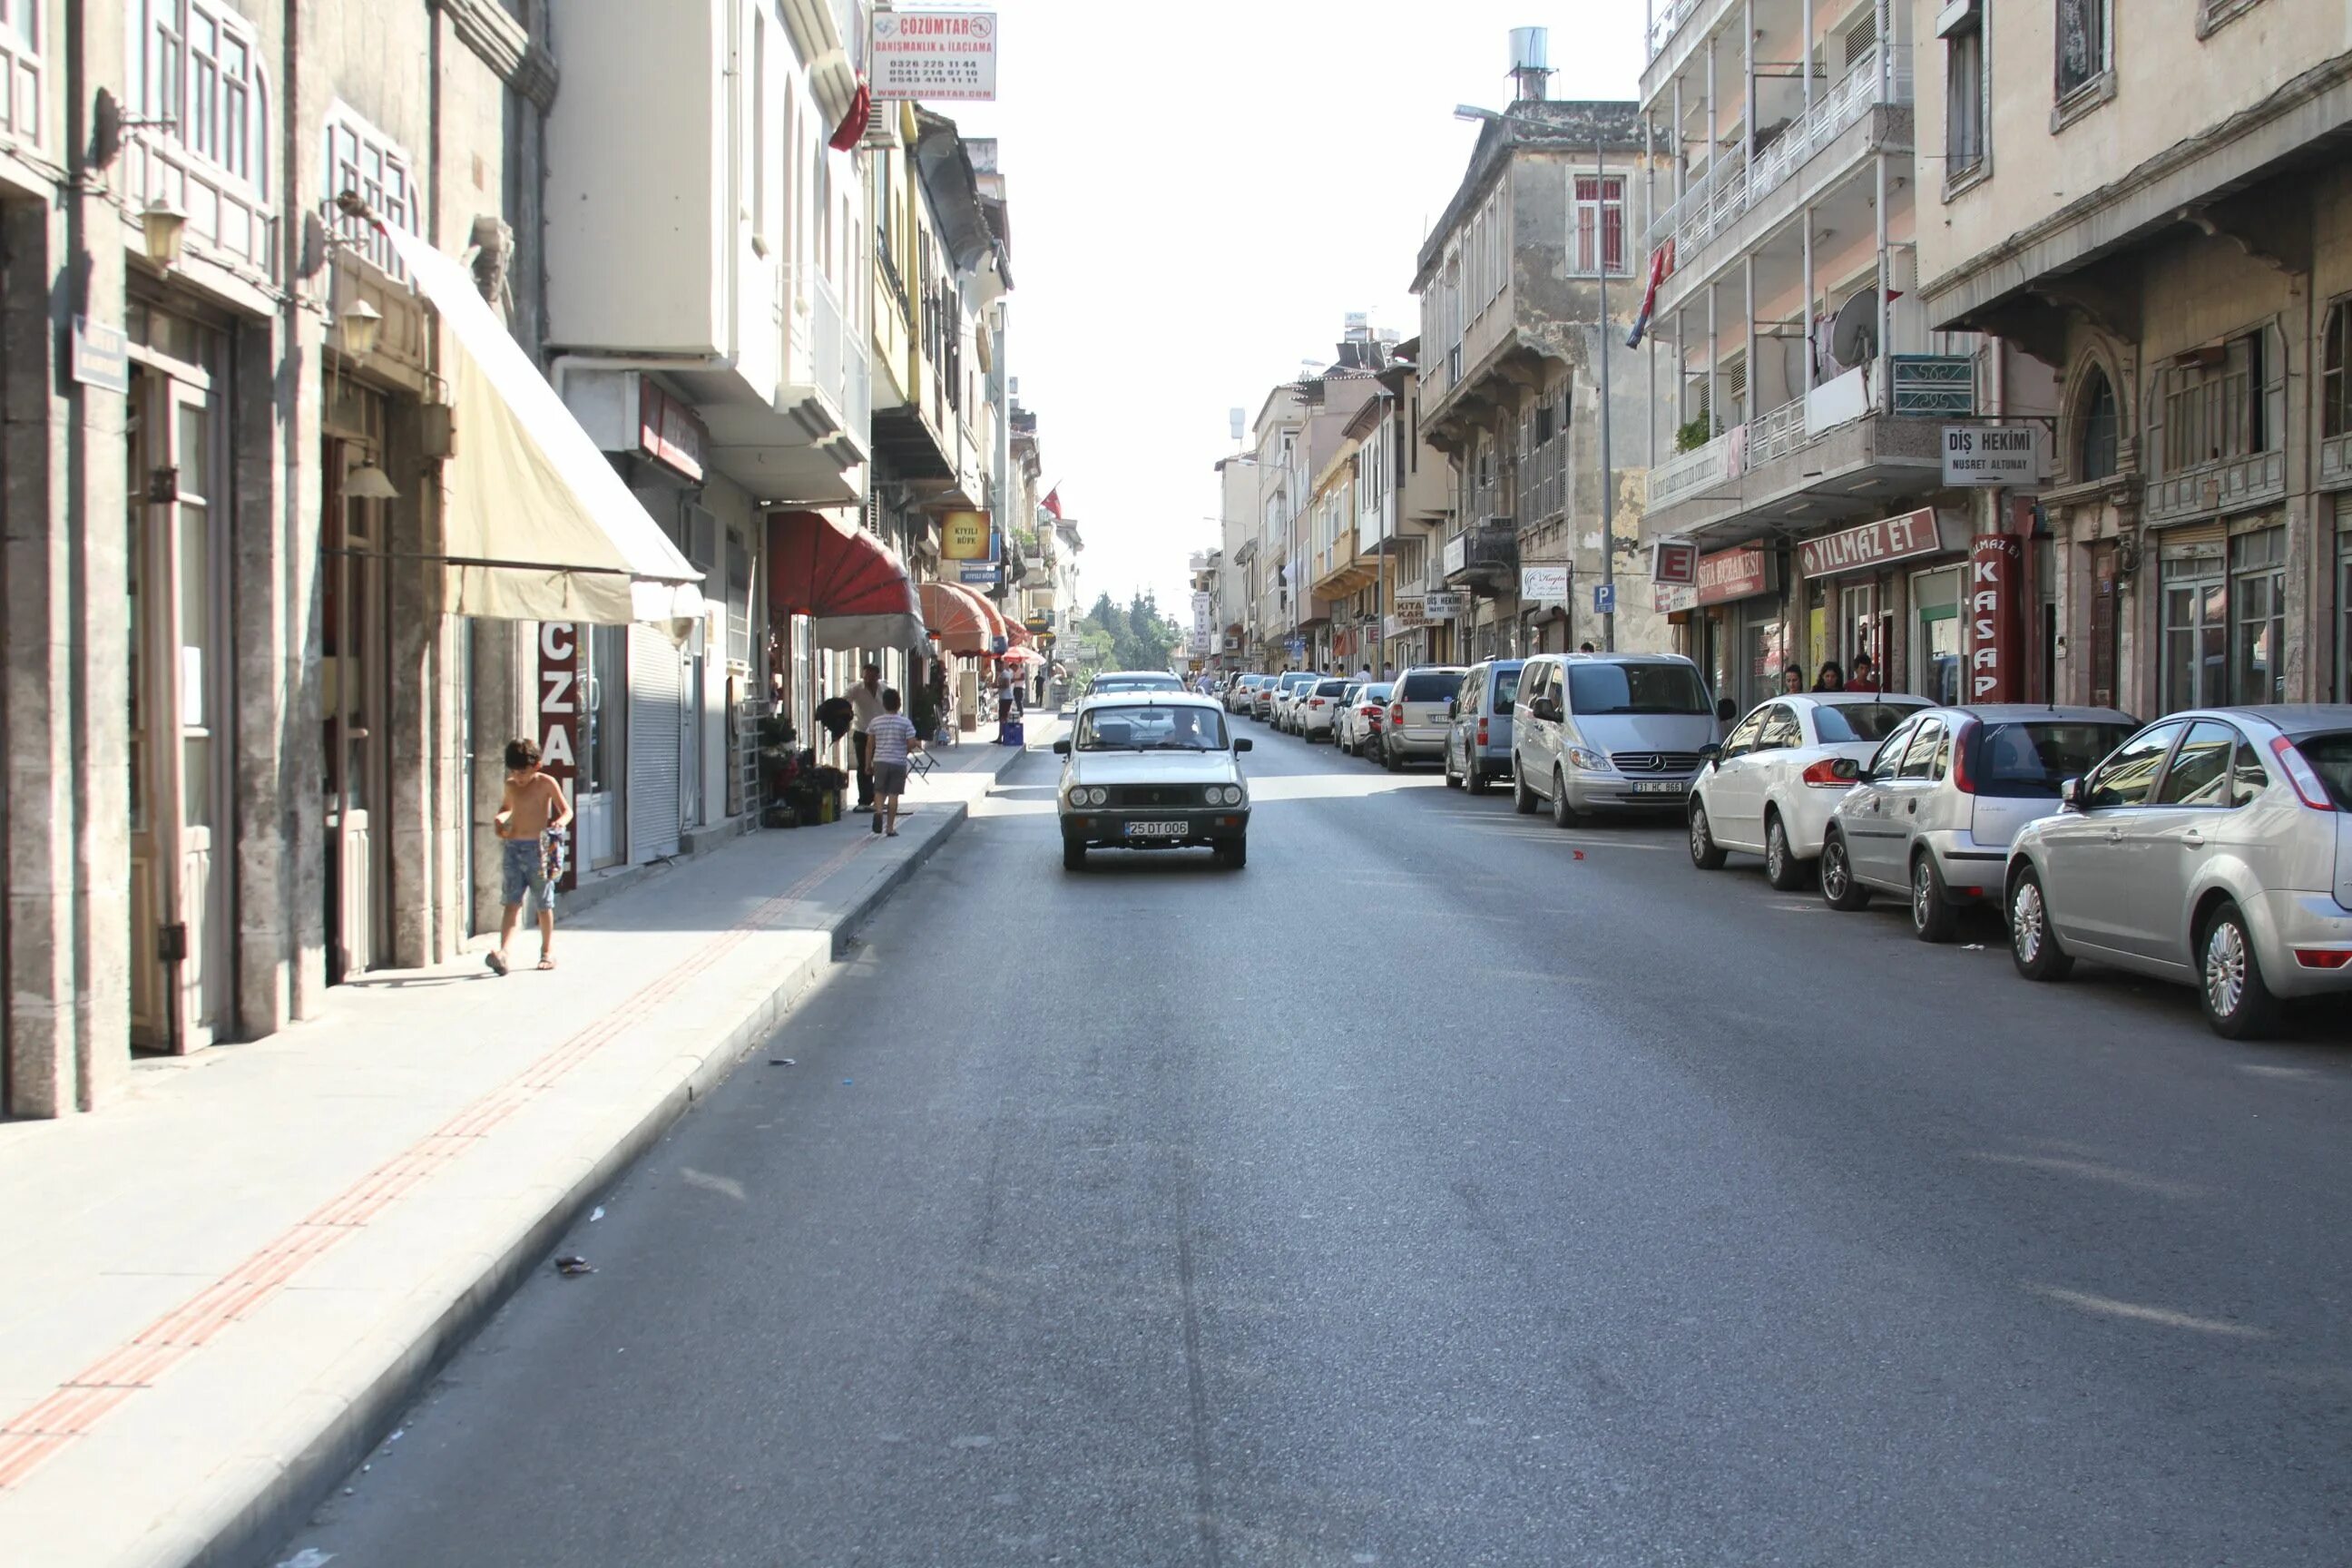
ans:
x=2212 y=847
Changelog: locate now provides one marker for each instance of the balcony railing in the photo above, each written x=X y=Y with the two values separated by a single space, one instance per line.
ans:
x=2336 y=462
x=1669 y=21
x=1732 y=185
x=2226 y=485
x=1777 y=434
x=825 y=355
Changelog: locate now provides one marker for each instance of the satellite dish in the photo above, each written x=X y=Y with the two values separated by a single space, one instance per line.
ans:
x=1854 y=332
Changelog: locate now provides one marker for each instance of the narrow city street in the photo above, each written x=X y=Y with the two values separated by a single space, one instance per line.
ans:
x=1444 y=1188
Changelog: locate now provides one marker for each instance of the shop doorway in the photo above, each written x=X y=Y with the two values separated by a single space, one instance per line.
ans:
x=598 y=833
x=1936 y=658
x=354 y=662
x=181 y=732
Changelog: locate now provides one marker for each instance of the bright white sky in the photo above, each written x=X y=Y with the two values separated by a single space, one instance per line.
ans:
x=1199 y=192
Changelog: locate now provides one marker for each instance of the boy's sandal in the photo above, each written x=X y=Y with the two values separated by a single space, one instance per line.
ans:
x=498 y=964
x=547 y=963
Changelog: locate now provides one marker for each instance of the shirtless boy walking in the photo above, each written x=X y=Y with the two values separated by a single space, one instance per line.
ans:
x=531 y=822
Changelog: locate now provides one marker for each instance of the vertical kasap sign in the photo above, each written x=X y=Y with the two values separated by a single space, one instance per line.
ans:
x=943 y=55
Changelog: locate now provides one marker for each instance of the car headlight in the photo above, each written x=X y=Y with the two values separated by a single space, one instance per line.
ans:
x=1093 y=797
x=1591 y=762
x=1224 y=795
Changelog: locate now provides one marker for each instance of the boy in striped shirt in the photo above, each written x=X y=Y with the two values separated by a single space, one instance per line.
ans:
x=888 y=741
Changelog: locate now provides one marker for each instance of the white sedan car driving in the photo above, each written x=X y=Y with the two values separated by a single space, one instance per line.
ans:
x=1154 y=769
x=1770 y=791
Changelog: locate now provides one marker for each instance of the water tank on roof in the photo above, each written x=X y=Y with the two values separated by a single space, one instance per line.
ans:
x=1530 y=48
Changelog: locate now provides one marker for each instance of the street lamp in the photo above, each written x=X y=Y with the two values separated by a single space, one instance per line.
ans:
x=164 y=226
x=361 y=324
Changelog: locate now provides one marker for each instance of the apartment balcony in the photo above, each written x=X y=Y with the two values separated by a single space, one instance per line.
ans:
x=1847 y=448
x=1738 y=203
x=2336 y=462
x=2224 y=485
x=805 y=440
x=1486 y=555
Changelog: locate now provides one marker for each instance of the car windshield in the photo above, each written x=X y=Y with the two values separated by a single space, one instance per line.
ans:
x=1138 y=727
x=1859 y=721
x=2033 y=757
x=1139 y=683
x=2330 y=757
x=1599 y=689
x=1331 y=687
x=1380 y=693
x=1506 y=690
x=1428 y=685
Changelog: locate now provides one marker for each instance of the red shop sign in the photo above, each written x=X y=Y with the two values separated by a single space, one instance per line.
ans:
x=669 y=432
x=1873 y=545
x=1996 y=621
x=1728 y=575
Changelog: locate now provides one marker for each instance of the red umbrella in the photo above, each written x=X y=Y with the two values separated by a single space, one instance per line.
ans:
x=854 y=587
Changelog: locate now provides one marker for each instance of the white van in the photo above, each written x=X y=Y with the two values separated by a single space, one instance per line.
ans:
x=1609 y=731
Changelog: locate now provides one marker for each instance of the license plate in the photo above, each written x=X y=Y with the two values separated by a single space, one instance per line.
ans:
x=1155 y=829
x=1675 y=786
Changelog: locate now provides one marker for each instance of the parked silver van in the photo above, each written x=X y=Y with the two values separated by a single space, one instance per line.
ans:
x=1478 y=737
x=1609 y=731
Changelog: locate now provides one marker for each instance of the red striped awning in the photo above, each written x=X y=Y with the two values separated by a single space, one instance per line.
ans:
x=852 y=587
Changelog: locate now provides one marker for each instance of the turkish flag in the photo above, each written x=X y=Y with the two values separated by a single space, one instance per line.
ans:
x=1053 y=502
x=852 y=129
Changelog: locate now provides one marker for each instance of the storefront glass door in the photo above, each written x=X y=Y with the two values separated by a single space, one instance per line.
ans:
x=1936 y=641
x=2195 y=633
x=603 y=754
x=180 y=710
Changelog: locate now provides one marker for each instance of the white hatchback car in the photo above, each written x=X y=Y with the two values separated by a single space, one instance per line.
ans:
x=1771 y=787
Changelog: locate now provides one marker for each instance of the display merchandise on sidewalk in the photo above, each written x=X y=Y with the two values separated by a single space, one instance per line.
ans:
x=219 y=1292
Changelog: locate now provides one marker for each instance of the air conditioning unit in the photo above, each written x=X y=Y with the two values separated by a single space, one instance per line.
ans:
x=881 y=127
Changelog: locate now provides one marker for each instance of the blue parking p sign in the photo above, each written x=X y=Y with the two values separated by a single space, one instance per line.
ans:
x=1604 y=599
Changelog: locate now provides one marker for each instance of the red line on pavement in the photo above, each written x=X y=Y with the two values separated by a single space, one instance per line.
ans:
x=34 y=1434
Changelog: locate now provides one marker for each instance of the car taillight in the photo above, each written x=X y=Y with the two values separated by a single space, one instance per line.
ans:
x=1317 y=702
x=1396 y=712
x=2299 y=773
x=1824 y=774
x=1963 y=741
x=1481 y=731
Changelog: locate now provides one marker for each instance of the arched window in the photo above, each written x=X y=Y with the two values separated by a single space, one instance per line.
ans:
x=199 y=66
x=2335 y=377
x=2095 y=453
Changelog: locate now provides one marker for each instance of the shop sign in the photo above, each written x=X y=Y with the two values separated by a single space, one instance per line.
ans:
x=1544 y=585
x=559 y=720
x=1983 y=456
x=669 y=432
x=979 y=573
x=1673 y=599
x=1880 y=543
x=1996 y=624
x=1446 y=604
x=1411 y=613
x=936 y=55
x=1674 y=565
x=1457 y=554
x=967 y=536
x=100 y=355
x=1728 y=575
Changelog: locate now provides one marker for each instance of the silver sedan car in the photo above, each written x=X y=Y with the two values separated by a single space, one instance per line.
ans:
x=2214 y=849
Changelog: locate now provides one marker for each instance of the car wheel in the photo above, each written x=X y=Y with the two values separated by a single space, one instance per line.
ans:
x=1705 y=853
x=1073 y=855
x=2239 y=1003
x=1933 y=918
x=1233 y=854
x=1389 y=758
x=2033 y=945
x=1523 y=799
x=1781 y=868
x=1839 y=889
x=1563 y=815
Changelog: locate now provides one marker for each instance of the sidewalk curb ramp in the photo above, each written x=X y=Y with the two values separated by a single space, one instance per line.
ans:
x=246 y=1528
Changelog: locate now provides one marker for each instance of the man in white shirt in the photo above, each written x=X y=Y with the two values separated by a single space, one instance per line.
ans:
x=865 y=706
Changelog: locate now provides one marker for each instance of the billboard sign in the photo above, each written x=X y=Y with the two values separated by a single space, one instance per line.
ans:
x=935 y=55
x=966 y=536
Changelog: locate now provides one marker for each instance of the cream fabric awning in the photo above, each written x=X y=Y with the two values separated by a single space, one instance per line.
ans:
x=537 y=527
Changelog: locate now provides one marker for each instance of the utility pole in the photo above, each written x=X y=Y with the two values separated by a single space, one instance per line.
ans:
x=1608 y=472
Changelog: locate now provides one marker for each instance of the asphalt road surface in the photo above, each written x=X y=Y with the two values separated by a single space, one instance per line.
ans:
x=1444 y=1188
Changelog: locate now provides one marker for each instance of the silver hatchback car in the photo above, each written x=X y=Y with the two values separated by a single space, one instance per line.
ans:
x=2214 y=848
x=1932 y=815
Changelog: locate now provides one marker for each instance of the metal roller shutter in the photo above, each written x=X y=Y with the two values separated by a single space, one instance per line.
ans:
x=656 y=683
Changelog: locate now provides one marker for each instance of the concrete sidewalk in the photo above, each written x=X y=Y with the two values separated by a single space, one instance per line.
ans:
x=214 y=1295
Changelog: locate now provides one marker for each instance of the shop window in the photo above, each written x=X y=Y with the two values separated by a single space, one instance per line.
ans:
x=199 y=68
x=2097 y=438
x=2258 y=616
x=2195 y=630
x=364 y=162
x=2336 y=373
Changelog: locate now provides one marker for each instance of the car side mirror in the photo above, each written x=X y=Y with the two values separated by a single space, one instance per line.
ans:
x=1710 y=752
x=1726 y=710
x=1061 y=748
x=1453 y=708
x=1845 y=768
x=2072 y=793
x=1242 y=744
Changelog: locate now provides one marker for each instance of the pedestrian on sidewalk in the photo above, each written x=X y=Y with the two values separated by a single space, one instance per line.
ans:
x=532 y=815
x=1792 y=680
x=865 y=706
x=1864 y=677
x=890 y=739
